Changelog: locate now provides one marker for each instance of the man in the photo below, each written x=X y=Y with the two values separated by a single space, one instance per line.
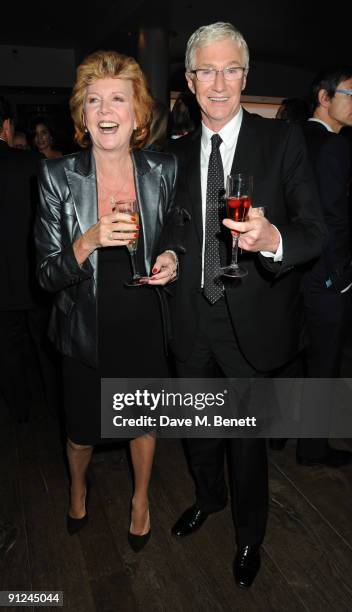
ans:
x=326 y=284
x=17 y=175
x=250 y=327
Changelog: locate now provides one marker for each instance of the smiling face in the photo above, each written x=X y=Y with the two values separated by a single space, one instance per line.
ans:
x=219 y=100
x=109 y=113
x=42 y=138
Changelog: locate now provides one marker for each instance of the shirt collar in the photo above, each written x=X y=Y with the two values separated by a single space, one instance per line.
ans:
x=322 y=123
x=228 y=133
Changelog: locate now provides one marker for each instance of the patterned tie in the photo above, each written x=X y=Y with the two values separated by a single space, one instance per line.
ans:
x=213 y=286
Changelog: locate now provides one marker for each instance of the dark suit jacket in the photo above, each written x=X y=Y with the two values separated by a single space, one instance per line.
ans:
x=266 y=305
x=17 y=203
x=330 y=157
x=68 y=194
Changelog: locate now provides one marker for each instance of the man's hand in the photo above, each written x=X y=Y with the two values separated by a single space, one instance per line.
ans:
x=256 y=234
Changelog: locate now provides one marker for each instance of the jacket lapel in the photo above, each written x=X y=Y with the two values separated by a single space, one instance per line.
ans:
x=248 y=154
x=82 y=182
x=147 y=177
x=246 y=146
x=83 y=187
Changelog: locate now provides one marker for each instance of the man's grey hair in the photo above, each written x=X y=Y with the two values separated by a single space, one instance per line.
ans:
x=205 y=35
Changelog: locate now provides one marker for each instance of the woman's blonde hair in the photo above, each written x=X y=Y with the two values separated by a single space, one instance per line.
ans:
x=103 y=64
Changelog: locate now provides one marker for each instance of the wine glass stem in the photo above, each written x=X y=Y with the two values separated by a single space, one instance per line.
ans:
x=234 y=256
x=134 y=265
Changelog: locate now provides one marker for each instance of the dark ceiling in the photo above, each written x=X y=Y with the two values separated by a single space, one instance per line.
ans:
x=290 y=32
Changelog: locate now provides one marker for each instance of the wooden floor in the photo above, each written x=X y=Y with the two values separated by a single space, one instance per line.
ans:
x=307 y=555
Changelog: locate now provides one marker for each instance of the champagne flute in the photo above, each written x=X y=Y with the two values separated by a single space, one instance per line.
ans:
x=238 y=195
x=131 y=207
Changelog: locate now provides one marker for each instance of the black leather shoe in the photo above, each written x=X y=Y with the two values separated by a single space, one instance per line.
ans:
x=75 y=525
x=246 y=566
x=335 y=458
x=137 y=542
x=191 y=520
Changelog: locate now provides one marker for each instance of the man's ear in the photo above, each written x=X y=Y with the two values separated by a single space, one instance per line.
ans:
x=324 y=99
x=244 y=82
x=190 y=82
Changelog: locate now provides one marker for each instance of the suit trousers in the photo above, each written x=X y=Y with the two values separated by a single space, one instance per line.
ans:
x=325 y=315
x=216 y=353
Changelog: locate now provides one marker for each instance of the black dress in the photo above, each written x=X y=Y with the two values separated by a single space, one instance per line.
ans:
x=130 y=343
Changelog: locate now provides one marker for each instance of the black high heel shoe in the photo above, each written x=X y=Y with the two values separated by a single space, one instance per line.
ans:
x=75 y=525
x=137 y=542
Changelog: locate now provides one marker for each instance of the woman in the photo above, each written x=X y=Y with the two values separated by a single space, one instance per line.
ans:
x=101 y=326
x=43 y=138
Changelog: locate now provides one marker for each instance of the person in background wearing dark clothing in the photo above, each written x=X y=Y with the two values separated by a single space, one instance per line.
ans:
x=293 y=110
x=43 y=138
x=44 y=141
x=17 y=192
x=185 y=115
x=326 y=284
x=248 y=328
x=158 y=128
x=20 y=141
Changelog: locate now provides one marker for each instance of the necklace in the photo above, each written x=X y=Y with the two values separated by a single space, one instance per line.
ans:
x=123 y=189
x=112 y=195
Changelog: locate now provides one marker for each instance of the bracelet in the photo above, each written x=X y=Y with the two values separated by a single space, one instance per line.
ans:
x=176 y=260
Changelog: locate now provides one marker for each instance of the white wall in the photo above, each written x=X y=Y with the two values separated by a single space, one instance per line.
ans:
x=266 y=107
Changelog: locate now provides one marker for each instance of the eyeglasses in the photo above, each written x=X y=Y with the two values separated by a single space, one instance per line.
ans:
x=207 y=75
x=347 y=92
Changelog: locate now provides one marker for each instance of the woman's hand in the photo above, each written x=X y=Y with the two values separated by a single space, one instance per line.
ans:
x=115 y=229
x=164 y=270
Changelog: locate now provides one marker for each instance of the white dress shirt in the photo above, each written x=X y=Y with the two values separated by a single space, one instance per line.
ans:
x=328 y=127
x=229 y=135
